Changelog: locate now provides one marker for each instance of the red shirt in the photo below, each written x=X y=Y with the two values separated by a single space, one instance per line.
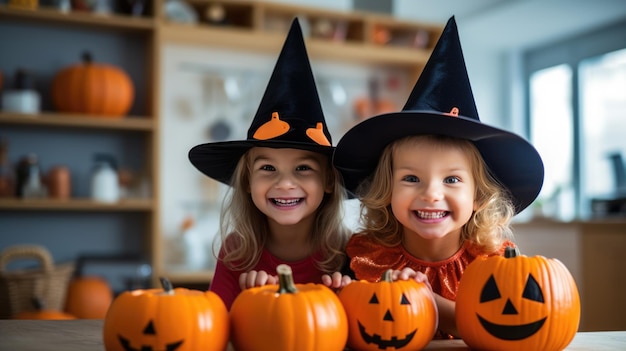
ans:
x=225 y=282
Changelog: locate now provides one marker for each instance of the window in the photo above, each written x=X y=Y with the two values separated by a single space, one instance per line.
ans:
x=577 y=121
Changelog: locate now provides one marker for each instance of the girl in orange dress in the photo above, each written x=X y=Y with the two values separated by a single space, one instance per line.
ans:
x=438 y=188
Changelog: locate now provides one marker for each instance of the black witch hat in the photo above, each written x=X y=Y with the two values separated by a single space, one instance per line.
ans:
x=289 y=115
x=442 y=103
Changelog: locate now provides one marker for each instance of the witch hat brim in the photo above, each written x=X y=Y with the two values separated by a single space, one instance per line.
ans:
x=442 y=88
x=289 y=115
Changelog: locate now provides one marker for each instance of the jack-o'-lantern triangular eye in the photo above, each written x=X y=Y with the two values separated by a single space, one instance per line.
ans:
x=532 y=290
x=490 y=290
x=404 y=300
x=374 y=299
x=149 y=329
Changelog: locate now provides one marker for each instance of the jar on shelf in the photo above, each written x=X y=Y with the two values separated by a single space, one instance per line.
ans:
x=104 y=180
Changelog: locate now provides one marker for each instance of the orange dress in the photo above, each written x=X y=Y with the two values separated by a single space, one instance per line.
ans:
x=369 y=259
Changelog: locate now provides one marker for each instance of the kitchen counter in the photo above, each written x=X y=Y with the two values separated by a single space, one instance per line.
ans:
x=86 y=335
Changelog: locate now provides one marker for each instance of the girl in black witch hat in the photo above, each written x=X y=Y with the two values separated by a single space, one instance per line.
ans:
x=438 y=188
x=286 y=198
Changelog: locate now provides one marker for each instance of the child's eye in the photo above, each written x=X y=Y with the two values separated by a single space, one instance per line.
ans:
x=267 y=168
x=303 y=168
x=410 y=178
x=451 y=180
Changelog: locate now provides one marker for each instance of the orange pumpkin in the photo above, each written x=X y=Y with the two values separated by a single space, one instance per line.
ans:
x=40 y=312
x=288 y=317
x=517 y=302
x=389 y=314
x=88 y=297
x=91 y=88
x=166 y=319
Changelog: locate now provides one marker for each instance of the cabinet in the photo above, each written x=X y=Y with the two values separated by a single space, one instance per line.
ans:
x=49 y=40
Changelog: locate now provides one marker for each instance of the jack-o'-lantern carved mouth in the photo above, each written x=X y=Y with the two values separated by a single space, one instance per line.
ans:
x=511 y=332
x=148 y=330
x=126 y=344
x=383 y=344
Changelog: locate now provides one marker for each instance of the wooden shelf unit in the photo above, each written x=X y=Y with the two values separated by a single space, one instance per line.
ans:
x=254 y=26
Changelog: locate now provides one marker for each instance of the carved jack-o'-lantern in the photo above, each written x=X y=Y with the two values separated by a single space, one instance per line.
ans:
x=517 y=302
x=389 y=314
x=166 y=319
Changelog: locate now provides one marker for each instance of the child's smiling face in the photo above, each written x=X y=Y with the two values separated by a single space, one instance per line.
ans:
x=288 y=185
x=433 y=188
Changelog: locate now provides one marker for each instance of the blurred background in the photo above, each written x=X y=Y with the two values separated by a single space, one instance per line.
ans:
x=102 y=99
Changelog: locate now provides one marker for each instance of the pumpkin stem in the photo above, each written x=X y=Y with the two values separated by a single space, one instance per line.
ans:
x=87 y=58
x=510 y=252
x=37 y=303
x=168 y=288
x=285 y=280
x=386 y=277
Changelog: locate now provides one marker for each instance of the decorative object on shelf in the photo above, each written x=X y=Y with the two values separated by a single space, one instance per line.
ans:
x=23 y=98
x=389 y=314
x=40 y=312
x=105 y=185
x=59 y=182
x=19 y=286
x=29 y=178
x=279 y=317
x=179 y=11
x=515 y=302
x=7 y=173
x=93 y=88
x=166 y=319
x=24 y=4
x=374 y=103
x=215 y=14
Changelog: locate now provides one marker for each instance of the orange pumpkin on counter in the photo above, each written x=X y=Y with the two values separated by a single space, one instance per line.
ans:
x=93 y=88
x=517 y=303
x=397 y=315
x=166 y=319
x=40 y=312
x=288 y=317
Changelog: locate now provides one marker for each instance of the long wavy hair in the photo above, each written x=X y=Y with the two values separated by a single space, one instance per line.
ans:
x=244 y=229
x=489 y=225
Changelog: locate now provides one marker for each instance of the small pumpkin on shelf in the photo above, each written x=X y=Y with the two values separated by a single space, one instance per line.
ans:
x=166 y=319
x=400 y=315
x=303 y=317
x=515 y=302
x=41 y=312
x=93 y=88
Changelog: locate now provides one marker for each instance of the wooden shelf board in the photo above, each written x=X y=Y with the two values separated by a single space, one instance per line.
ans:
x=82 y=18
x=83 y=205
x=77 y=121
x=258 y=41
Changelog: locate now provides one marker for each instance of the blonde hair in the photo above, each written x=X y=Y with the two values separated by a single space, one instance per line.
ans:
x=488 y=226
x=244 y=228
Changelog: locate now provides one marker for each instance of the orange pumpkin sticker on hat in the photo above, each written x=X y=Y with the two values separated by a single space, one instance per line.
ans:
x=454 y=112
x=317 y=134
x=272 y=128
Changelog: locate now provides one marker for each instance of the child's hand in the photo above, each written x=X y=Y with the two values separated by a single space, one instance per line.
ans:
x=254 y=278
x=408 y=273
x=336 y=280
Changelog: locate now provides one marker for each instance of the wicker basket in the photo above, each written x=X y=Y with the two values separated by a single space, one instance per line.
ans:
x=19 y=286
